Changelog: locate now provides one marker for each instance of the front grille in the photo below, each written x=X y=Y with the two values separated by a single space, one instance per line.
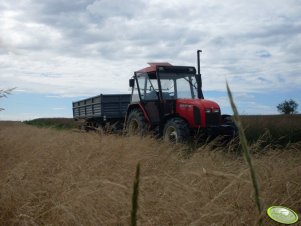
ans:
x=212 y=119
x=197 y=115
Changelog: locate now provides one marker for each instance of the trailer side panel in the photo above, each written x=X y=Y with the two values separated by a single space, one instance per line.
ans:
x=103 y=106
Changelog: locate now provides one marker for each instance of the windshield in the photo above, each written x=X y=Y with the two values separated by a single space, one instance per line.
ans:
x=176 y=86
x=173 y=86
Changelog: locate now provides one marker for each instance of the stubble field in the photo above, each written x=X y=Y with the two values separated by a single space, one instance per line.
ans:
x=65 y=177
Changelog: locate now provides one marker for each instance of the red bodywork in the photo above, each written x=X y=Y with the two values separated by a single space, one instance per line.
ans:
x=184 y=108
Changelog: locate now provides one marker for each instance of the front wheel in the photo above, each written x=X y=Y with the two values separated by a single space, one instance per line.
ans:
x=176 y=130
x=232 y=129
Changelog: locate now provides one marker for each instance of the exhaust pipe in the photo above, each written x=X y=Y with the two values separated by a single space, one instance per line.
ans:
x=199 y=77
x=199 y=68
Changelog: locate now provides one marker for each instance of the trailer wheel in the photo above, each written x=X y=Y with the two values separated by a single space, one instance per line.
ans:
x=176 y=130
x=136 y=123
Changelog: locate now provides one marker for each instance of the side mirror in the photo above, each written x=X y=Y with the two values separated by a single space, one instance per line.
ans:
x=131 y=82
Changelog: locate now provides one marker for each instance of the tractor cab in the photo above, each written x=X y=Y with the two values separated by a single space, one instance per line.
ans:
x=169 y=99
x=162 y=81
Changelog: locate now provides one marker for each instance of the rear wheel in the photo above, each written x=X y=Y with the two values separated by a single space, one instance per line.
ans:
x=136 y=123
x=176 y=130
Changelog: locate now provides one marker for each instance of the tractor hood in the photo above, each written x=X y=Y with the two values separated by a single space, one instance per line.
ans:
x=200 y=103
x=198 y=112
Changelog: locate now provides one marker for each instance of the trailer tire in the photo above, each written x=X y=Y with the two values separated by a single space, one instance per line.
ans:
x=176 y=130
x=136 y=124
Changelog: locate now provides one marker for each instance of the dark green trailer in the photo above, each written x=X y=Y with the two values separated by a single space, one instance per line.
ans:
x=102 y=109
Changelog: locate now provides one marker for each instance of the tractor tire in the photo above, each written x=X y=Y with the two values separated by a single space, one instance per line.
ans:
x=176 y=130
x=136 y=124
x=228 y=120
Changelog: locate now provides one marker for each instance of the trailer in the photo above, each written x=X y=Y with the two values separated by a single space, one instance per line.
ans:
x=99 y=110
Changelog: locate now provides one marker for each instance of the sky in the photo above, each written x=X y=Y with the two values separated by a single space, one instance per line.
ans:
x=58 y=51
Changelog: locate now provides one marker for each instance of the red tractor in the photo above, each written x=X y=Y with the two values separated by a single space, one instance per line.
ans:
x=169 y=100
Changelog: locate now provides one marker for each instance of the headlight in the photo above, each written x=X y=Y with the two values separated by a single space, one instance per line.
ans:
x=215 y=110
x=207 y=110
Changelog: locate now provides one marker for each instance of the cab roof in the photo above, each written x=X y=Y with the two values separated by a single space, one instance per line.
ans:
x=153 y=67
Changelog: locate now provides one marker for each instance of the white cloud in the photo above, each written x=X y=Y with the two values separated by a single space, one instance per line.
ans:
x=86 y=47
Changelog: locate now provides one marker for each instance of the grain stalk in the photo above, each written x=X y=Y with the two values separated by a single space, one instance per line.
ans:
x=135 y=197
x=245 y=148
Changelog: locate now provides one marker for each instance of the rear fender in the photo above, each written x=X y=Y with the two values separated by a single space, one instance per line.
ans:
x=137 y=106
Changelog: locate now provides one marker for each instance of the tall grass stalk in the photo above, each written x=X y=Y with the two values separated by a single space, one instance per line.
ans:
x=245 y=148
x=135 y=197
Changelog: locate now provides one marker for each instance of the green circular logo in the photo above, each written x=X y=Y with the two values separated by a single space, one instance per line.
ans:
x=282 y=214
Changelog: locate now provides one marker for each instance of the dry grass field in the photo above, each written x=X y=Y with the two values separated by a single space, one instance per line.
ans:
x=65 y=177
x=277 y=129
